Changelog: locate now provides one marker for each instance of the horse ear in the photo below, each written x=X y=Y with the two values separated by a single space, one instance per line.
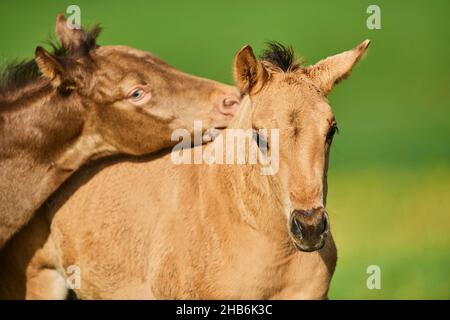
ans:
x=70 y=39
x=328 y=72
x=249 y=74
x=49 y=65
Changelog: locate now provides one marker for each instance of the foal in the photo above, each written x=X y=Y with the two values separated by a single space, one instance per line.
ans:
x=203 y=231
x=86 y=101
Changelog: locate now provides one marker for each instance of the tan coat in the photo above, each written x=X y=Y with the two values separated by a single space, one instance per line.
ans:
x=151 y=229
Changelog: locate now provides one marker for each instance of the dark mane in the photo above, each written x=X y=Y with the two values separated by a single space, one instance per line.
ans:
x=18 y=74
x=280 y=56
x=15 y=75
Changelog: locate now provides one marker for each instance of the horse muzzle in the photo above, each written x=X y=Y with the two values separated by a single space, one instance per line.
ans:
x=309 y=228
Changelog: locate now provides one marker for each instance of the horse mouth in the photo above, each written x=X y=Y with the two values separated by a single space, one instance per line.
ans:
x=304 y=247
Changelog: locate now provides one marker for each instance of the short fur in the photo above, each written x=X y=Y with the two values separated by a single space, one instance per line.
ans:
x=151 y=229
x=68 y=107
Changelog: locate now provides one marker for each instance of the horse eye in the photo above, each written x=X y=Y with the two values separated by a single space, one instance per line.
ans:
x=333 y=130
x=136 y=94
x=261 y=141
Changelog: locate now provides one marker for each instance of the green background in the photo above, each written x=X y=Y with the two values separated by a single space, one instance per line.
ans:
x=390 y=168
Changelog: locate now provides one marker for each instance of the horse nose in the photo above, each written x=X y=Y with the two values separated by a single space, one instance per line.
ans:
x=229 y=100
x=229 y=103
x=225 y=107
x=309 y=228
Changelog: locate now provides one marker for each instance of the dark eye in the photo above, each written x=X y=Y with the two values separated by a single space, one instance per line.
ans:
x=261 y=141
x=333 y=130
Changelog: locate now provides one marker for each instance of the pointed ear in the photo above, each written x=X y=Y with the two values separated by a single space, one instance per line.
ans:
x=249 y=74
x=49 y=65
x=70 y=39
x=328 y=72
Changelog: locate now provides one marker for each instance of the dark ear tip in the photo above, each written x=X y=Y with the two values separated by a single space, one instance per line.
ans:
x=39 y=51
x=61 y=18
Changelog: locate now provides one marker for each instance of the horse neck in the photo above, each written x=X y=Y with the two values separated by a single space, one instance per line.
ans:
x=41 y=133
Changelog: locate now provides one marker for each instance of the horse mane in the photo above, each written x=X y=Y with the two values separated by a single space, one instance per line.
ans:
x=281 y=57
x=17 y=74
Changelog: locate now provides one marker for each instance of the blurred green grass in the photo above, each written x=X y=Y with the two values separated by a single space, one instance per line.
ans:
x=390 y=167
x=397 y=219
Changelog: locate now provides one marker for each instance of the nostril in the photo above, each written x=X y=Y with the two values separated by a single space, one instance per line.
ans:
x=296 y=227
x=229 y=102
